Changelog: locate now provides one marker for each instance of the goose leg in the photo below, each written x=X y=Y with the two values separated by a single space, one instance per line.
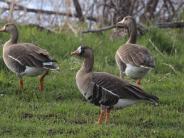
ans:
x=21 y=84
x=101 y=115
x=138 y=82
x=107 y=117
x=122 y=75
x=121 y=66
x=41 y=86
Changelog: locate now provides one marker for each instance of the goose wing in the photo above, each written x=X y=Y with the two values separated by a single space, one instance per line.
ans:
x=135 y=55
x=108 y=89
x=30 y=55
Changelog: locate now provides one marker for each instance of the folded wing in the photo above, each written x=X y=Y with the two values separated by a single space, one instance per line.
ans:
x=135 y=55
x=30 y=55
x=115 y=88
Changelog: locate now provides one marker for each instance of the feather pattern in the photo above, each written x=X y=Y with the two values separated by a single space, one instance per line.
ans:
x=112 y=89
x=30 y=55
x=135 y=55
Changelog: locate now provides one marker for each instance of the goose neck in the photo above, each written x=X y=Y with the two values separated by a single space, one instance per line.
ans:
x=14 y=37
x=88 y=63
x=132 y=32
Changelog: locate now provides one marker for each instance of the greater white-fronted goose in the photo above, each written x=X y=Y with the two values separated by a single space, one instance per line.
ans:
x=104 y=89
x=26 y=59
x=132 y=59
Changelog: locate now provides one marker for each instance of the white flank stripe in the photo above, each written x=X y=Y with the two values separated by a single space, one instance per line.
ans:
x=119 y=56
x=15 y=59
x=108 y=91
x=48 y=63
x=146 y=67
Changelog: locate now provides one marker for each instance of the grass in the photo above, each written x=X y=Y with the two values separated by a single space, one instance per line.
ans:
x=61 y=111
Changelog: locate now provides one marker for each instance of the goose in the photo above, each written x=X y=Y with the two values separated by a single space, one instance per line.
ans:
x=133 y=60
x=106 y=90
x=26 y=59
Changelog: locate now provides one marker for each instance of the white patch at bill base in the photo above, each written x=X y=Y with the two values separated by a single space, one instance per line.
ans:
x=79 y=49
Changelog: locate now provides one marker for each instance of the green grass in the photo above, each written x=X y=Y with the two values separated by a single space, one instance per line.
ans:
x=61 y=111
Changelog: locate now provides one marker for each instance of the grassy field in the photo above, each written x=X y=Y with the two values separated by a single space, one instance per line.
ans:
x=61 y=111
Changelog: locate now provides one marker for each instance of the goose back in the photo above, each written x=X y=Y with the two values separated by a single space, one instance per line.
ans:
x=26 y=54
x=108 y=90
x=135 y=55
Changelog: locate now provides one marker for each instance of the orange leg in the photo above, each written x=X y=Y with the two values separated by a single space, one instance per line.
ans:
x=101 y=117
x=138 y=82
x=41 y=86
x=107 y=117
x=21 y=84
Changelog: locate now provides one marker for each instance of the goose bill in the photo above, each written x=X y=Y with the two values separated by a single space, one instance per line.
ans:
x=75 y=52
x=120 y=24
x=3 y=29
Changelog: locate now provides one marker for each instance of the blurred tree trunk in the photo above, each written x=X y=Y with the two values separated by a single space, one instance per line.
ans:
x=123 y=8
x=170 y=9
x=78 y=10
x=149 y=11
x=116 y=10
x=11 y=6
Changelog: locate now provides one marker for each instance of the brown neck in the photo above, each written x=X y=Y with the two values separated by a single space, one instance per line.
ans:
x=132 y=32
x=88 y=63
x=14 y=36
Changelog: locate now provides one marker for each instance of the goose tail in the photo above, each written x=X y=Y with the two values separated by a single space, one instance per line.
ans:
x=51 y=65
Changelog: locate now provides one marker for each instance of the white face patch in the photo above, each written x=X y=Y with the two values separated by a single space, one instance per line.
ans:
x=122 y=21
x=79 y=49
x=4 y=28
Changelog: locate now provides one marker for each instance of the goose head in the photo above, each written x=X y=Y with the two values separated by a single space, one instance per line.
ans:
x=127 y=22
x=82 y=51
x=10 y=28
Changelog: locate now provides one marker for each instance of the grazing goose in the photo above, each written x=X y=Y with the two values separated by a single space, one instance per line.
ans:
x=26 y=58
x=133 y=60
x=104 y=89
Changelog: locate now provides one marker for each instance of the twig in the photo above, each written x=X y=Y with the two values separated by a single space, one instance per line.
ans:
x=99 y=30
x=91 y=14
x=72 y=29
x=170 y=66
x=156 y=48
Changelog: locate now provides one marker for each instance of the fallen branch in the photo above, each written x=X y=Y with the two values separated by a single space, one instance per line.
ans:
x=171 y=25
x=99 y=30
x=140 y=28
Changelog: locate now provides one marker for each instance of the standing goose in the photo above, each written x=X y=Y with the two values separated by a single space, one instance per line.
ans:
x=133 y=60
x=26 y=58
x=104 y=89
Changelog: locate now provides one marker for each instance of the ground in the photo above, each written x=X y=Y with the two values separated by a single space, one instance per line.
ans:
x=61 y=111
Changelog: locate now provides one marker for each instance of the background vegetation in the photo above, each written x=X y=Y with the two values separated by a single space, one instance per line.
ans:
x=61 y=111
